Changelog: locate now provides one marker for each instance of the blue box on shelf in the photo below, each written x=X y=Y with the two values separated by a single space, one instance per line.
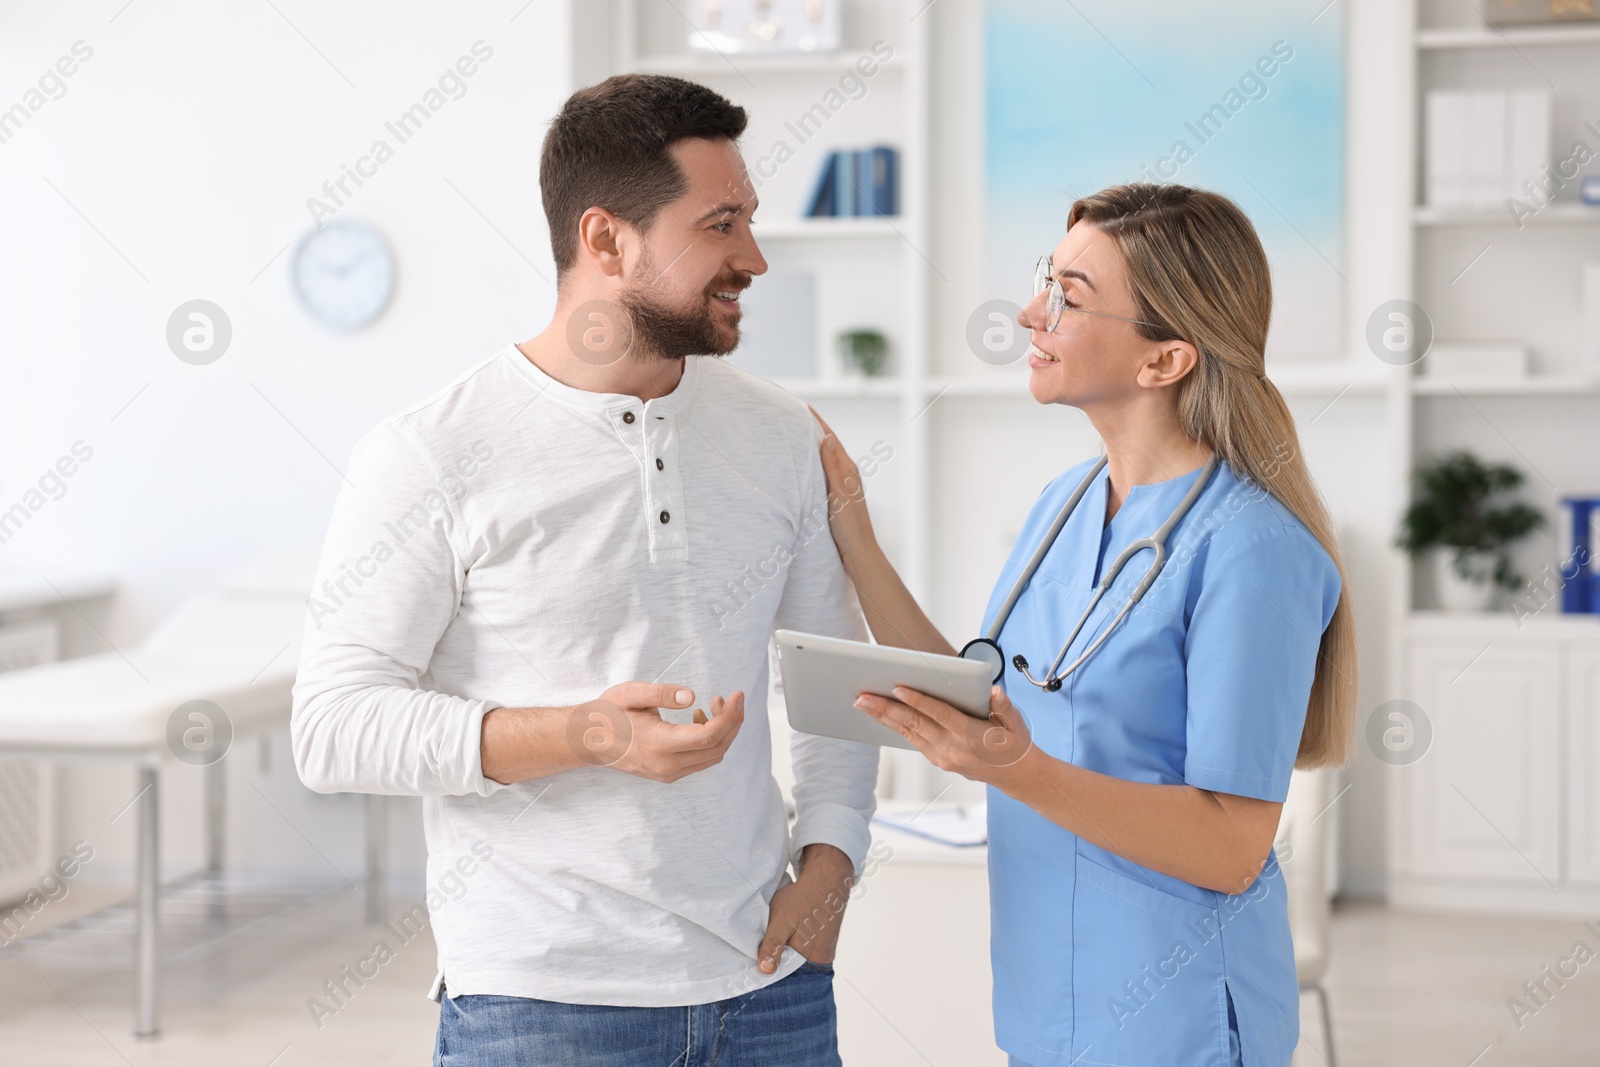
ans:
x=1580 y=589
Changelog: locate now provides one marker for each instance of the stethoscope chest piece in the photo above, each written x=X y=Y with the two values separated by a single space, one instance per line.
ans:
x=986 y=651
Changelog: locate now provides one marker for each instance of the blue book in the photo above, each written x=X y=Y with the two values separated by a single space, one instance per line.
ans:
x=884 y=195
x=861 y=183
x=825 y=197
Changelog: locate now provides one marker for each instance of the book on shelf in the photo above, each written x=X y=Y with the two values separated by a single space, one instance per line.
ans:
x=825 y=197
x=860 y=183
x=1483 y=148
x=877 y=181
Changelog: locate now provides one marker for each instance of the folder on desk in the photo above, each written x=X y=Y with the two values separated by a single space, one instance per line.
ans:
x=961 y=827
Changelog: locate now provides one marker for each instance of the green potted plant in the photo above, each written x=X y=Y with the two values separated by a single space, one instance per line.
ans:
x=1462 y=517
x=863 y=351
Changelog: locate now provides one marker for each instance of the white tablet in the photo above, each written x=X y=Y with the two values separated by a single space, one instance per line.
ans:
x=822 y=676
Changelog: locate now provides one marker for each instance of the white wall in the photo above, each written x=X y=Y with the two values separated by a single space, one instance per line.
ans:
x=177 y=166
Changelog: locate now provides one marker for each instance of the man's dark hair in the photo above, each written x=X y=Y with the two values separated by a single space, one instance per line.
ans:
x=608 y=148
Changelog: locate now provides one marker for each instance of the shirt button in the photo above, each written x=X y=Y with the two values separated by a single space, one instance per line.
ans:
x=660 y=466
x=665 y=517
x=627 y=416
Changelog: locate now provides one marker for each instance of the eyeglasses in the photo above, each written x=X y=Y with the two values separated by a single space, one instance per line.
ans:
x=1044 y=277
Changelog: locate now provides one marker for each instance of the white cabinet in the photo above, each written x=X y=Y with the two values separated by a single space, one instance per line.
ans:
x=1486 y=799
x=1501 y=812
x=1583 y=769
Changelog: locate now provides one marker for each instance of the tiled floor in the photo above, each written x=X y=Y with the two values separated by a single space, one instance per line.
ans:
x=1406 y=989
x=1432 y=989
x=243 y=1007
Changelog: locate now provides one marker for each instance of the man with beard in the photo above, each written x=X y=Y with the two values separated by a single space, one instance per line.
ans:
x=533 y=581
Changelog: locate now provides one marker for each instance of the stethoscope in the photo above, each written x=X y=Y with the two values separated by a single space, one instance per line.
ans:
x=986 y=649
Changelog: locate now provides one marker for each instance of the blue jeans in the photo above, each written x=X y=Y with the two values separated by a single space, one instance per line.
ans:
x=790 y=1023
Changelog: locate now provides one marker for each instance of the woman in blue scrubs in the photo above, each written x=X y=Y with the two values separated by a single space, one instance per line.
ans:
x=1138 y=911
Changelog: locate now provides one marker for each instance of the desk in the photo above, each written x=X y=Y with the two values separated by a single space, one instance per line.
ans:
x=913 y=982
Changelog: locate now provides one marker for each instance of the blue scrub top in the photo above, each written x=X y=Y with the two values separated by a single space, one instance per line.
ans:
x=1098 y=960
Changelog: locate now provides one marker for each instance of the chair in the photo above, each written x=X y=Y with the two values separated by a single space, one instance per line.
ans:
x=1303 y=845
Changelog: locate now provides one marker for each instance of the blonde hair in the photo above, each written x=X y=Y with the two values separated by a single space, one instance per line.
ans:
x=1198 y=273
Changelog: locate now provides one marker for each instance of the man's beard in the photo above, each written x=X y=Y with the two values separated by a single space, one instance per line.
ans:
x=673 y=333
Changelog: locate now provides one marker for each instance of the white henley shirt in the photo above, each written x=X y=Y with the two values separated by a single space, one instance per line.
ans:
x=513 y=541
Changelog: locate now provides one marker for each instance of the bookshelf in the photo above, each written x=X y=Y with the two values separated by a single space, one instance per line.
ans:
x=1524 y=286
x=1508 y=695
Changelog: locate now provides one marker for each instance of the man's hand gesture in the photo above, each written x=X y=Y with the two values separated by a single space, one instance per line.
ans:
x=623 y=729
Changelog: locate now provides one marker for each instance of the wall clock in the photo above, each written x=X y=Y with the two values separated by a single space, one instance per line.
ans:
x=343 y=275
